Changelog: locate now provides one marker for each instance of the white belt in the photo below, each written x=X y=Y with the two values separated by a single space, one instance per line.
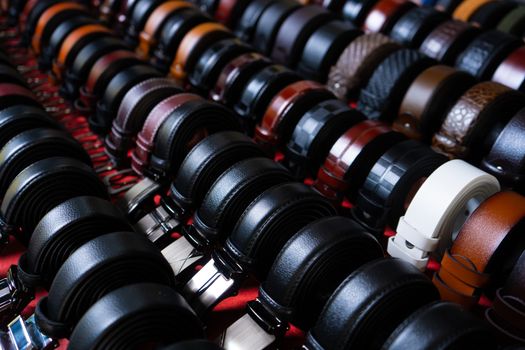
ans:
x=439 y=209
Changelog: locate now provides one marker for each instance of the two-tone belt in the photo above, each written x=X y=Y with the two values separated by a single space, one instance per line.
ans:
x=307 y=270
x=461 y=188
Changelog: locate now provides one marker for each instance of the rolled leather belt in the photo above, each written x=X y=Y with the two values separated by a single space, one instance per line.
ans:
x=461 y=189
x=136 y=104
x=285 y=110
x=259 y=91
x=175 y=29
x=146 y=137
x=77 y=74
x=414 y=26
x=210 y=64
x=369 y=305
x=490 y=14
x=475 y=113
x=393 y=179
x=467 y=8
x=307 y=270
x=486 y=52
x=134 y=315
x=102 y=71
x=137 y=19
x=8 y=74
x=227 y=198
x=506 y=158
x=486 y=248
x=247 y=22
x=428 y=99
x=19 y=118
x=28 y=20
x=357 y=63
x=182 y=129
x=294 y=32
x=14 y=94
x=447 y=6
x=206 y=162
x=235 y=75
x=262 y=230
x=382 y=96
x=513 y=22
x=351 y=158
x=506 y=316
x=42 y=186
x=33 y=145
x=385 y=14
x=74 y=41
x=511 y=72
x=149 y=36
x=314 y=135
x=50 y=51
x=324 y=47
x=229 y=11
x=448 y=40
x=119 y=85
x=192 y=46
x=440 y=324
x=50 y=19
x=96 y=268
x=269 y=24
x=356 y=11
x=57 y=235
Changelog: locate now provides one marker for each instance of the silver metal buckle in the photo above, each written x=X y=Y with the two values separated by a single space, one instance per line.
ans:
x=181 y=254
x=136 y=195
x=244 y=334
x=157 y=224
x=13 y=295
x=25 y=335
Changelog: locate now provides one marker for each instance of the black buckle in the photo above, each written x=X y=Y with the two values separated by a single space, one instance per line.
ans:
x=265 y=319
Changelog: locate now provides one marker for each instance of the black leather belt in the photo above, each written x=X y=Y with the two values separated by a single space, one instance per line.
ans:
x=486 y=52
x=490 y=14
x=19 y=118
x=269 y=23
x=262 y=230
x=77 y=74
x=32 y=19
x=202 y=166
x=60 y=232
x=370 y=304
x=441 y=325
x=120 y=84
x=415 y=25
x=172 y=34
x=324 y=47
x=138 y=17
x=186 y=126
x=42 y=186
x=245 y=27
x=385 y=193
x=305 y=273
x=315 y=133
x=381 y=97
x=136 y=104
x=259 y=91
x=8 y=74
x=209 y=65
x=33 y=145
x=96 y=268
x=356 y=11
x=224 y=203
x=136 y=315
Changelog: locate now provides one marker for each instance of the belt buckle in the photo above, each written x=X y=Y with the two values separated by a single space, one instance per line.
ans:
x=14 y=296
x=25 y=335
x=158 y=224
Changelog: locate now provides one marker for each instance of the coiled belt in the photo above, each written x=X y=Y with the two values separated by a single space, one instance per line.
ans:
x=133 y=110
x=135 y=315
x=96 y=268
x=413 y=27
x=33 y=145
x=307 y=270
x=370 y=304
x=42 y=186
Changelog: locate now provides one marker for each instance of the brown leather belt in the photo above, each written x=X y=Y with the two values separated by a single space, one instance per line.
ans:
x=485 y=241
x=384 y=14
x=146 y=138
x=148 y=37
x=511 y=71
x=59 y=65
x=428 y=99
x=467 y=8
